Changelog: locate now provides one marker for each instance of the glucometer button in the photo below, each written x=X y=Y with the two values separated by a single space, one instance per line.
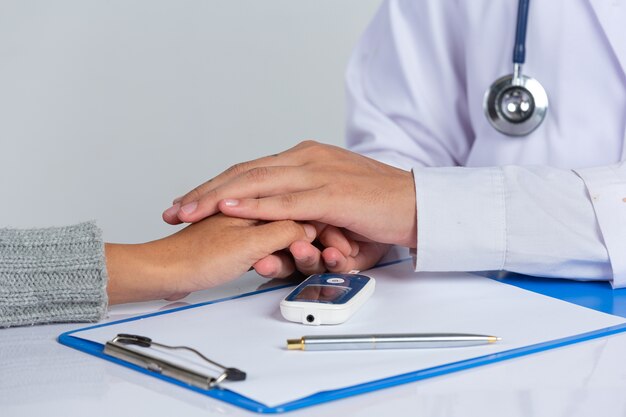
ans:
x=335 y=280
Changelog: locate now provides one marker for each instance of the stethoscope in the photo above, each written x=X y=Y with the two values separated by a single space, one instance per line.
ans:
x=516 y=104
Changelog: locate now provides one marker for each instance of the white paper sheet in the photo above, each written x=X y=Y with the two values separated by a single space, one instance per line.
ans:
x=250 y=334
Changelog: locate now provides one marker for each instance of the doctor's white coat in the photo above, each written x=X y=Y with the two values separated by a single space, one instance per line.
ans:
x=549 y=204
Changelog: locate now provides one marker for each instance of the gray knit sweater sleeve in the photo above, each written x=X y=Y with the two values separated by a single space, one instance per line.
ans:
x=52 y=275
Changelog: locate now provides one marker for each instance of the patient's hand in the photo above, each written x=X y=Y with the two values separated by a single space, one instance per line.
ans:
x=202 y=255
x=335 y=250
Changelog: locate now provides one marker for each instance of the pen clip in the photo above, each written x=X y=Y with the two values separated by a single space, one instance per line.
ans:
x=117 y=347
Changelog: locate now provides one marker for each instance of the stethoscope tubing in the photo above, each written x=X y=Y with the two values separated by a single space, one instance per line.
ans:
x=519 y=50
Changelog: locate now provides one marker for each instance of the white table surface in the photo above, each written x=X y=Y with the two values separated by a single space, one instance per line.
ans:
x=38 y=376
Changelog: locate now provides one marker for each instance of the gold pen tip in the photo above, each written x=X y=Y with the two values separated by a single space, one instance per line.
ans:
x=295 y=344
x=494 y=339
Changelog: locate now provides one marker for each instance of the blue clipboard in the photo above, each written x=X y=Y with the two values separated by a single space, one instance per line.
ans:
x=594 y=295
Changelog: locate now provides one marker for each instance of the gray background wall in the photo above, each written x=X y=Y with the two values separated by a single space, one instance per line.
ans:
x=109 y=109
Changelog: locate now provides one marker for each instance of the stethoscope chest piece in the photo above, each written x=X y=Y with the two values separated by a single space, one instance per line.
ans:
x=515 y=104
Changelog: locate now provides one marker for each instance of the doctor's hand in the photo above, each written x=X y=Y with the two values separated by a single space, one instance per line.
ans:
x=335 y=250
x=200 y=256
x=311 y=182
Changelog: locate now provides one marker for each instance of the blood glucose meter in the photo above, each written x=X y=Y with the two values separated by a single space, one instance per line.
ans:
x=327 y=298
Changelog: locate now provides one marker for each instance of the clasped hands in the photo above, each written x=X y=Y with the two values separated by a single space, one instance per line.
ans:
x=357 y=205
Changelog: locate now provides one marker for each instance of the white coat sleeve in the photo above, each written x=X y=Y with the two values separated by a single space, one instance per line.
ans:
x=607 y=190
x=394 y=88
x=537 y=221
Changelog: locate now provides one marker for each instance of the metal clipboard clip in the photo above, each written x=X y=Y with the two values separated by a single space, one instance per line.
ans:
x=117 y=347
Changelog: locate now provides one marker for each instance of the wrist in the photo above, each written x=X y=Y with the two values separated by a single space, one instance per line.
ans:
x=136 y=273
x=409 y=211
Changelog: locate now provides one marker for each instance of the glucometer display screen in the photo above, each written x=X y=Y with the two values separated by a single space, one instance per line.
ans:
x=322 y=293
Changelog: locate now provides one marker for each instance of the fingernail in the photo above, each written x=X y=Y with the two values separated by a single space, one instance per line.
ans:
x=310 y=231
x=231 y=202
x=171 y=212
x=331 y=263
x=177 y=200
x=189 y=208
x=304 y=260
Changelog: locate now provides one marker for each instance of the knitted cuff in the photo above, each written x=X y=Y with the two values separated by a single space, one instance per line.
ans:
x=52 y=275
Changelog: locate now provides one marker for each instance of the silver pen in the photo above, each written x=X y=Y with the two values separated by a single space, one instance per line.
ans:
x=389 y=341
